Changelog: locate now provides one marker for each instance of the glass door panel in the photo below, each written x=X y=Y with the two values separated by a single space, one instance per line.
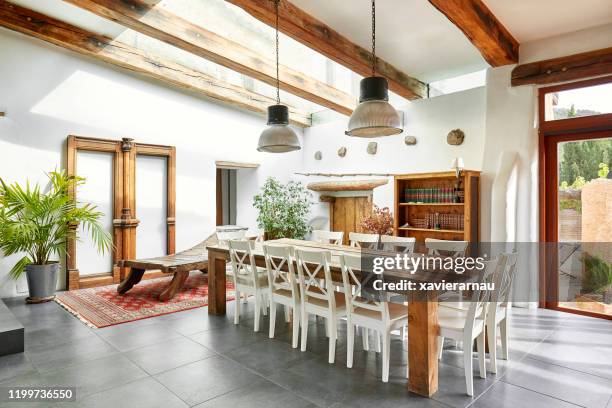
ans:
x=97 y=169
x=151 y=206
x=584 y=225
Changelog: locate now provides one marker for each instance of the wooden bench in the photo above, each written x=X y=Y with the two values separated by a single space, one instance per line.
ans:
x=180 y=264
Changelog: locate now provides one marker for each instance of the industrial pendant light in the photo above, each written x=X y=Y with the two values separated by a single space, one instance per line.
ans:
x=374 y=116
x=278 y=137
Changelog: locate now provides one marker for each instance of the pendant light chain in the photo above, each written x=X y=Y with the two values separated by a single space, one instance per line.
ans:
x=373 y=38
x=276 y=2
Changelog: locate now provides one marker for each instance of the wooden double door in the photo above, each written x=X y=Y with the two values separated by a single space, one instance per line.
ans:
x=133 y=185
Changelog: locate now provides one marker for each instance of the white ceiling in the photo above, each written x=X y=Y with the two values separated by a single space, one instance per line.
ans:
x=416 y=38
x=410 y=34
x=530 y=20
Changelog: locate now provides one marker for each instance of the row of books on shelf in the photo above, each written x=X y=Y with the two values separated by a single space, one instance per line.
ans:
x=431 y=195
x=442 y=221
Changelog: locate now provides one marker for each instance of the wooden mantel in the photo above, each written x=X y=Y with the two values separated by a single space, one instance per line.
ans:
x=346 y=185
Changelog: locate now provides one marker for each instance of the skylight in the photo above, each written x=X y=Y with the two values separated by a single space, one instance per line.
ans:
x=458 y=83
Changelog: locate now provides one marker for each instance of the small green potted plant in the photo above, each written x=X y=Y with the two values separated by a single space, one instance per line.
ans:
x=39 y=223
x=283 y=209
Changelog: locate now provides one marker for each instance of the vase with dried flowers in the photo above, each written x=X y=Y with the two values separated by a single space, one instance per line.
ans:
x=379 y=221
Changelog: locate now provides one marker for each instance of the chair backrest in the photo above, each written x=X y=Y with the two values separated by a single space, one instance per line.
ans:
x=442 y=247
x=278 y=258
x=328 y=237
x=480 y=298
x=398 y=244
x=311 y=265
x=359 y=240
x=225 y=236
x=243 y=262
x=353 y=288
x=503 y=283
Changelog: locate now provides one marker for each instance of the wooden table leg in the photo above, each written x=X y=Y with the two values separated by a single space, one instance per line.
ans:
x=216 y=284
x=175 y=286
x=132 y=279
x=422 y=345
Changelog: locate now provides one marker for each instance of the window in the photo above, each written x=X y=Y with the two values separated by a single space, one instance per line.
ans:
x=580 y=102
x=458 y=83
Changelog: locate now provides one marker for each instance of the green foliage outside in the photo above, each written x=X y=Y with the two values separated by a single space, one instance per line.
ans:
x=570 y=204
x=38 y=223
x=587 y=159
x=283 y=209
x=597 y=275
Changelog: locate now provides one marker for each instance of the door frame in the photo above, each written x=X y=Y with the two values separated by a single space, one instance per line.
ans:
x=125 y=223
x=550 y=134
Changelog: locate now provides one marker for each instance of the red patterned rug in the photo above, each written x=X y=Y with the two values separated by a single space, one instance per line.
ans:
x=103 y=306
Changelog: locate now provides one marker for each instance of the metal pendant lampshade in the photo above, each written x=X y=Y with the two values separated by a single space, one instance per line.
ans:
x=278 y=137
x=374 y=116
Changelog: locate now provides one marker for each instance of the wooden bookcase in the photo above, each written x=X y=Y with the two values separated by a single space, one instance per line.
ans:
x=407 y=214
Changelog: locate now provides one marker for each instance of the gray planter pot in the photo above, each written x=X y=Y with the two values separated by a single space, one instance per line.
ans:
x=42 y=280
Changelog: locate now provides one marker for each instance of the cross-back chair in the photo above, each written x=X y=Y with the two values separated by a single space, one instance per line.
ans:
x=317 y=295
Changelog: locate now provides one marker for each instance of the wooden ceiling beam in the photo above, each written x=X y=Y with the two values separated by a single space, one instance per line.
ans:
x=166 y=26
x=105 y=49
x=318 y=36
x=571 y=67
x=482 y=28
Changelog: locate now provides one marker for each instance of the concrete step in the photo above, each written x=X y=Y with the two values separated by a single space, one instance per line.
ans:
x=11 y=332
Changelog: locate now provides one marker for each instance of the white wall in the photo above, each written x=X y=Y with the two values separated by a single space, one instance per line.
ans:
x=49 y=93
x=429 y=120
x=576 y=42
x=509 y=200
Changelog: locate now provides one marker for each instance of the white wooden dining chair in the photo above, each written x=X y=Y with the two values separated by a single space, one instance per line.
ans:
x=224 y=237
x=317 y=295
x=404 y=245
x=375 y=314
x=248 y=278
x=283 y=287
x=392 y=243
x=497 y=315
x=443 y=247
x=328 y=237
x=466 y=326
x=366 y=241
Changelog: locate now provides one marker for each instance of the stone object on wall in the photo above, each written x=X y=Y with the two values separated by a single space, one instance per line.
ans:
x=372 y=147
x=342 y=151
x=318 y=155
x=410 y=140
x=455 y=137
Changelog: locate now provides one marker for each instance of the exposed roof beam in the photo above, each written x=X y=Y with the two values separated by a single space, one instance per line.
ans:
x=315 y=34
x=482 y=28
x=105 y=49
x=166 y=26
x=577 y=66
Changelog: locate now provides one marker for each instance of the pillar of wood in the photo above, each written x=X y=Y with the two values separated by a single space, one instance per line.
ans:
x=216 y=282
x=126 y=225
x=423 y=344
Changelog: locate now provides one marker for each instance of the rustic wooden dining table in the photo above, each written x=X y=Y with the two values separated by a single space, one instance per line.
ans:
x=422 y=307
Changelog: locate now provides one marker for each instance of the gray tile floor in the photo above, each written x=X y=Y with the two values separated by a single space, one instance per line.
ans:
x=192 y=359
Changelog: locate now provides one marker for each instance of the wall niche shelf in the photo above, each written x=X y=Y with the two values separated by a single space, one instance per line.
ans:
x=457 y=221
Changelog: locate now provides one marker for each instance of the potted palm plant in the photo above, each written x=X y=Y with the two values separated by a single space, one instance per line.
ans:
x=38 y=224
